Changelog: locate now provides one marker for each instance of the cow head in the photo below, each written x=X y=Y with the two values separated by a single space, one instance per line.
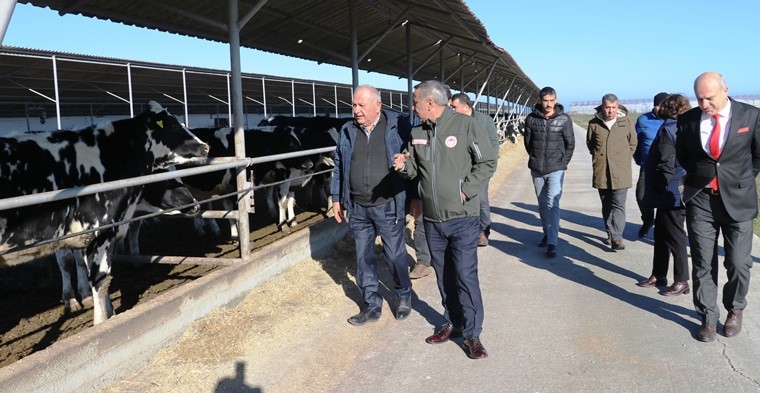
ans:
x=166 y=195
x=171 y=142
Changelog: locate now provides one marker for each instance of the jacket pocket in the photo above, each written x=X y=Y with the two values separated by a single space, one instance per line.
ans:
x=424 y=153
x=461 y=198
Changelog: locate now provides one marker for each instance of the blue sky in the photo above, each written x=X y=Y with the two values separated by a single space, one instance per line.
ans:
x=583 y=48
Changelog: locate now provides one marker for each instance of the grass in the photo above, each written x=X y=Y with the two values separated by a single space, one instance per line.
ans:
x=582 y=121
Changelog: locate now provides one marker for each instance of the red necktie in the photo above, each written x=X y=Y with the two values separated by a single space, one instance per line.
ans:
x=715 y=147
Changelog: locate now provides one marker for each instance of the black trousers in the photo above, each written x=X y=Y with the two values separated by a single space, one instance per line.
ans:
x=670 y=238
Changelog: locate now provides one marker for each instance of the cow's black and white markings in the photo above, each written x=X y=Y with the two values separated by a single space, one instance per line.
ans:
x=259 y=143
x=63 y=159
x=314 y=133
x=164 y=195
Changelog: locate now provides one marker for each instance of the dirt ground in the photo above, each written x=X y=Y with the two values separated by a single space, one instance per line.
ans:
x=33 y=316
x=32 y=313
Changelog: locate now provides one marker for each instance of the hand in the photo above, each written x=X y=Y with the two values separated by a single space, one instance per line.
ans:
x=415 y=207
x=399 y=161
x=337 y=212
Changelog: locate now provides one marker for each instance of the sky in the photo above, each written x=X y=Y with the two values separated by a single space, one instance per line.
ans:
x=583 y=49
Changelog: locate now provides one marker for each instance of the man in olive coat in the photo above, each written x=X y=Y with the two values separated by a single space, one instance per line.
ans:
x=611 y=140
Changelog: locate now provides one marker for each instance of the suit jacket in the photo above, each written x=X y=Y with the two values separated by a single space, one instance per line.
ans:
x=737 y=166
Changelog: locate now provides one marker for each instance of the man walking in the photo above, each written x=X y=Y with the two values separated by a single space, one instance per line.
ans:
x=461 y=103
x=550 y=142
x=452 y=158
x=611 y=140
x=374 y=197
x=647 y=126
x=718 y=144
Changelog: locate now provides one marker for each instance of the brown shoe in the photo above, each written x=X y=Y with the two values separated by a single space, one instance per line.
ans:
x=420 y=271
x=707 y=331
x=653 y=281
x=448 y=330
x=678 y=288
x=617 y=245
x=733 y=323
x=482 y=240
x=477 y=350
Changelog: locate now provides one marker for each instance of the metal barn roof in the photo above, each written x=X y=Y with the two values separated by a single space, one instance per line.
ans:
x=446 y=37
x=101 y=86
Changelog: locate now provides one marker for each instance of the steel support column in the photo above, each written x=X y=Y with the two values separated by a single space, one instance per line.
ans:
x=244 y=235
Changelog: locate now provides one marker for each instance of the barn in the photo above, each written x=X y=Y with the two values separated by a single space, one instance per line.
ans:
x=467 y=60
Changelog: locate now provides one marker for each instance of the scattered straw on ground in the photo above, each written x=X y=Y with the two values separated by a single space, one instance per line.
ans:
x=268 y=318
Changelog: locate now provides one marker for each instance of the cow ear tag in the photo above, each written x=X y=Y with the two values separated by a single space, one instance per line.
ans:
x=160 y=123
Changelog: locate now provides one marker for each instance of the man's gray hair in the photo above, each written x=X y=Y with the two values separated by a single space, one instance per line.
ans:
x=435 y=90
x=372 y=90
x=609 y=97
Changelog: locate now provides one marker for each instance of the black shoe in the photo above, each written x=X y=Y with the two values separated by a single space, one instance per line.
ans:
x=543 y=242
x=403 y=308
x=364 y=317
x=551 y=251
x=644 y=230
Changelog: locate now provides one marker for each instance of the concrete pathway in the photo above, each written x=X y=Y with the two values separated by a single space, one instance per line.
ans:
x=575 y=323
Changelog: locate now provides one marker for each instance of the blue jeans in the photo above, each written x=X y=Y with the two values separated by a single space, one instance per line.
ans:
x=548 y=192
x=365 y=223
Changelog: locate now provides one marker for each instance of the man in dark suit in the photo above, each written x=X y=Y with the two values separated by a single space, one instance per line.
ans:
x=718 y=144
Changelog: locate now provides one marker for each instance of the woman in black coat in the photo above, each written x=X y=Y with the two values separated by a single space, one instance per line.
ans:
x=662 y=191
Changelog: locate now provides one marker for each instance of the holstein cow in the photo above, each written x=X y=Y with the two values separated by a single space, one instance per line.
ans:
x=314 y=133
x=258 y=143
x=63 y=159
x=163 y=195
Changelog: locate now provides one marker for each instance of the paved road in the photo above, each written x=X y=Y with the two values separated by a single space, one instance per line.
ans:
x=576 y=323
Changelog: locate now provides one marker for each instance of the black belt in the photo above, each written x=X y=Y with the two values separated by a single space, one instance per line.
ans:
x=710 y=191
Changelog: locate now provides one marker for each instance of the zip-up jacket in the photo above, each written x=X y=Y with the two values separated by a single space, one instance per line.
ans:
x=550 y=142
x=611 y=150
x=647 y=126
x=450 y=157
x=396 y=135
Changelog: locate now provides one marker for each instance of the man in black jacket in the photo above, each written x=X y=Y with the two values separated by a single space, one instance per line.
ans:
x=550 y=141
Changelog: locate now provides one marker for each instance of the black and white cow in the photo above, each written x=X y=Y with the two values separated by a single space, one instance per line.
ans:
x=313 y=133
x=258 y=143
x=64 y=159
x=164 y=195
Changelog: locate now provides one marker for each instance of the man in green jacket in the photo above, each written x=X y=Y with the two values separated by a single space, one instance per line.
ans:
x=611 y=140
x=461 y=103
x=452 y=158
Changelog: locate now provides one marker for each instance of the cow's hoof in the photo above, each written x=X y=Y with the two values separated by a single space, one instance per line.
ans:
x=87 y=302
x=284 y=228
x=70 y=306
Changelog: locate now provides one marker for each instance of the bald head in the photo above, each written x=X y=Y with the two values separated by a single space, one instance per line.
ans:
x=711 y=92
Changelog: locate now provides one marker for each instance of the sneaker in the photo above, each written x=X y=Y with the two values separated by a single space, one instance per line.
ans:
x=551 y=251
x=420 y=271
